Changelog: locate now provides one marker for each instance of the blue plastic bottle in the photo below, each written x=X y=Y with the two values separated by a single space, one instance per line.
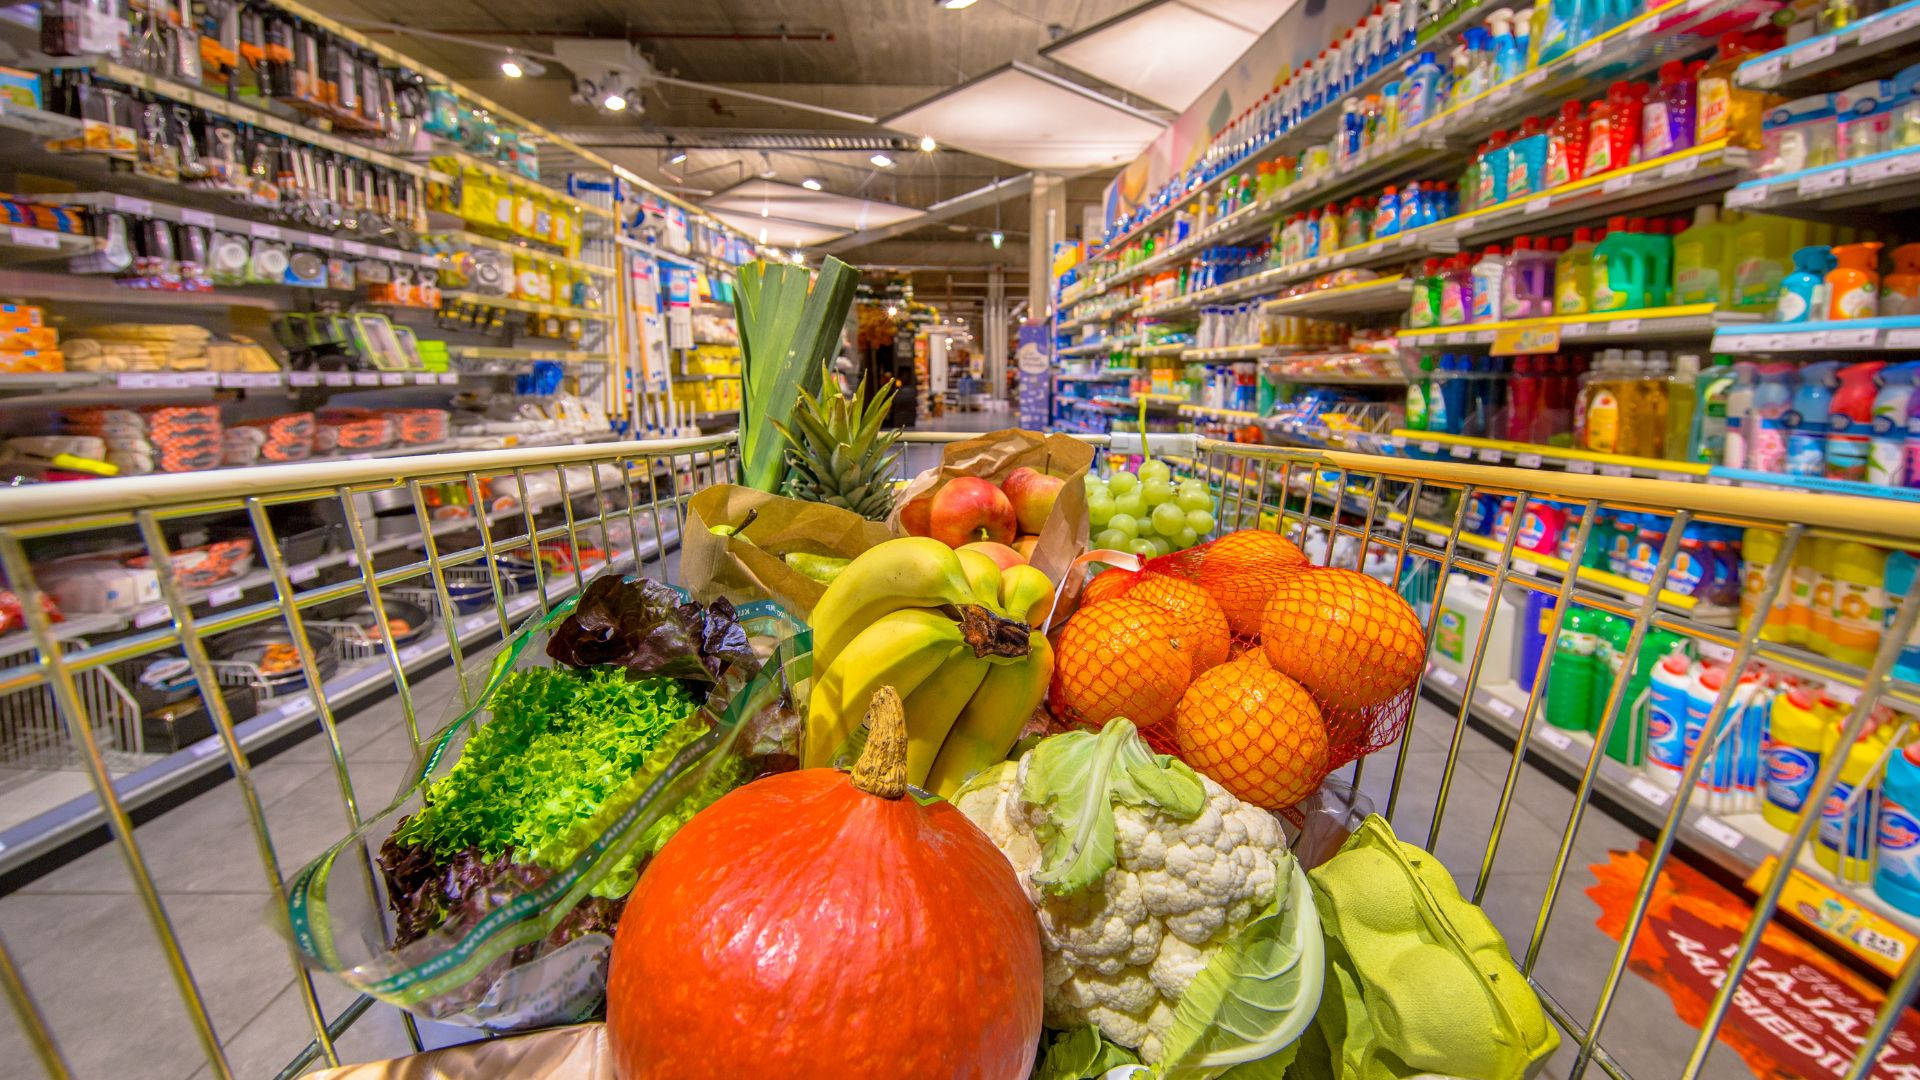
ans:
x=1898 y=878
x=1386 y=214
x=1899 y=578
x=1455 y=390
x=1807 y=420
x=1508 y=58
x=1565 y=18
x=1527 y=159
x=1419 y=91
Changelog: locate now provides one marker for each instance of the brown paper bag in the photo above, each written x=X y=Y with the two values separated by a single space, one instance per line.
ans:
x=992 y=456
x=747 y=566
x=569 y=1053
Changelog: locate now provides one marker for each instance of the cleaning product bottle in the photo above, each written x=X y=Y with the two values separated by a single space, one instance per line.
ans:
x=1491 y=183
x=1669 y=688
x=1508 y=54
x=1523 y=399
x=1853 y=288
x=1807 y=421
x=1707 y=437
x=1759 y=247
x=1737 y=452
x=1419 y=91
x=1604 y=420
x=1803 y=293
x=1797 y=726
x=1857 y=610
x=1455 y=389
x=1850 y=424
x=1659 y=249
x=1527 y=159
x=1417 y=389
x=1759 y=548
x=1725 y=110
x=1699 y=256
x=1682 y=392
x=1901 y=566
x=1600 y=138
x=1556 y=22
x=1666 y=124
x=1423 y=312
x=1574 y=671
x=1456 y=291
x=1887 y=439
x=1818 y=633
x=1646 y=406
x=1626 y=101
x=1766 y=425
x=1621 y=267
x=1529 y=280
x=1573 y=274
x=1438 y=418
x=1900 y=292
x=1489 y=284
x=1897 y=879
x=1845 y=842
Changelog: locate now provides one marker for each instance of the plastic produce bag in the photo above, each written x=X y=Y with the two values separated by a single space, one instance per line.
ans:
x=487 y=894
x=1418 y=980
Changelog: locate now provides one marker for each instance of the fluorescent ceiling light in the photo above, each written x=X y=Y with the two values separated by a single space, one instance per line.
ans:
x=881 y=161
x=928 y=144
x=676 y=157
x=1029 y=118
x=956 y=5
x=797 y=217
x=1255 y=15
x=811 y=184
x=614 y=102
x=1167 y=51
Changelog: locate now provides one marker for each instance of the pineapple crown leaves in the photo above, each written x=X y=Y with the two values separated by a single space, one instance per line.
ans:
x=836 y=450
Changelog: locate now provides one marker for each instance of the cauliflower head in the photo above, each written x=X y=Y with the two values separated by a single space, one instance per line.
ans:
x=1139 y=868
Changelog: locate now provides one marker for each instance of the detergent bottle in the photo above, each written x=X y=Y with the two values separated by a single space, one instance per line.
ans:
x=1566 y=147
x=1699 y=259
x=1456 y=291
x=1807 y=421
x=1758 y=246
x=1619 y=270
x=1507 y=56
x=1737 y=453
x=1527 y=289
x=1900 y=292
x=1420 y=91
x=1797 y=727
x=1604 y=421
x=1669 y=690
x=1767 y=422
x=1850 y=424
x=1803 y=293
x=1845 y=841
x=1707 y=439
x=1489 y=284
x=1759 y=548
x=1417 y=390
x=1897 y=880
x=1858 y=608
x=1555 y=24
x=1527 y=159
x=1887 y=446
x=1853 y=288
x=1725 y=110
x=1682 y=398
x=1438 y=416
x=1573 y=274
x=1819 y=604
x=1424 y=310
x=1574 y=671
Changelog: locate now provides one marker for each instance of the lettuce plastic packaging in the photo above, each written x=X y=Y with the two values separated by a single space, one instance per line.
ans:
x=487 y=894
x=1418 y=979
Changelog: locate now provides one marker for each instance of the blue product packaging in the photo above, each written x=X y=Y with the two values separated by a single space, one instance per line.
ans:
x=1897 y=879
x=1535 y=624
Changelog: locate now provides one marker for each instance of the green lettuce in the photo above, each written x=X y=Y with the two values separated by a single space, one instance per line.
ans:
x=1081 y=1054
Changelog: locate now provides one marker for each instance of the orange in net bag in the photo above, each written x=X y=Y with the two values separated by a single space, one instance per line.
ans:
x=1122 y=657
x=1347 y=645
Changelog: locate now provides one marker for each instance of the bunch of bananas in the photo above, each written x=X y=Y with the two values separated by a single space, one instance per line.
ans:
x=953 y=633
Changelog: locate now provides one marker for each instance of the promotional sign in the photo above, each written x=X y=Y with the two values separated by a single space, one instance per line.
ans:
x=1035 y=382
x=1797 y=1013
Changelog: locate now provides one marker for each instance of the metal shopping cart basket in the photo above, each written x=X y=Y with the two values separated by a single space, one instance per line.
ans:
x=1534 y=805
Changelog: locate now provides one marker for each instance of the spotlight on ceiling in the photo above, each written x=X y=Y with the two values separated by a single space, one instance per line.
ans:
x=677 y=157
x=892 y=311
x=515 y=66
x=998 y=238
x=615 y=101
x=881 y=161
x=927 y=145
x=797 y=255
x=811 y=184
x=955 y=5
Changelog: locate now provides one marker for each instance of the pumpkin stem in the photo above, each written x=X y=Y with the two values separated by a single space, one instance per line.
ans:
x=882 y=768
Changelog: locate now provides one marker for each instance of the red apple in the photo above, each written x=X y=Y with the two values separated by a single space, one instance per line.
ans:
x=1025 y=546
x=968 y=509
x=913 y=516
x=1032 y=493
x=1003 y=556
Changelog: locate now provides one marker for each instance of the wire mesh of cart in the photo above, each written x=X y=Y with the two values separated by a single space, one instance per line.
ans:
x=468 y=544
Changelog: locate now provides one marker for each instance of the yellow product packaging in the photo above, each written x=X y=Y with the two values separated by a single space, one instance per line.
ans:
x=1760 y=547
x=476 y=198
x=1859 y=605
x=560 y=284
x=523 y=278
x=1844 y=844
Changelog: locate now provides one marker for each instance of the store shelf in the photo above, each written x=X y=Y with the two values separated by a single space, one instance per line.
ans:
x=462 y=238
x=1334 y=378
x=1173 y=349
x=1436 y=444
x=1863 y=49
x=1093 y=318
x=1109 y=375
x=105 y=290
x=1390 y=293
x=1237 y=352
x=1891 y=332
x=19 y=244
x=558 y=356
x=513 y=180
x=1887 y=182
x=532 y=307
x=39 y=122
x=162 y=211
x=240 y=112
x=1520 y=336
x=1241 y=415
x=1094 y=348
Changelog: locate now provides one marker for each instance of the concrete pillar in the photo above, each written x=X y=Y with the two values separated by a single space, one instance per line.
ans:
x=1046 y=226
x=993 y=331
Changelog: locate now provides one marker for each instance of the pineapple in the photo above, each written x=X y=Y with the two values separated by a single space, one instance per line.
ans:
x=839 y=455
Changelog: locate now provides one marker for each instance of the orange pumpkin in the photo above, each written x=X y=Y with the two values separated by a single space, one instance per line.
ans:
x=816 y=924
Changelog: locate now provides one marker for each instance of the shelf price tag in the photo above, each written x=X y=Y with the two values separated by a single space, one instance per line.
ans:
x=393 y=378
x=303 y=378
x=1610 y=469
x=1462 y=452
x=35 y=238
x=1649 y=791
x=1522 y=341
x=1575 y=330
x=413 y=653
x=1818 y=49
x=1821 y=182
x=366 y=378
x=263 y=231
x=337 y=378
x=1527 y=461
x=1554 y=737
x=1681 y=167
x=1539 y=205
x=151 y=615
x=1885 y=27
x=300 y=572
x=424 y=378
x=1490 y=455
x=1852 y=339
x=1534 y=78
x=1587 y=54
x=1429 y=447
x=1747 y=195
x=1500 y=707
x=1903 y=339
x=1719 y=831
x=1760 y=73
x=1580 y=465
x=127 y=204
x=224 y=595
x=197 y=217
x=297 y=706
x=475 y=622
x=1624 y=326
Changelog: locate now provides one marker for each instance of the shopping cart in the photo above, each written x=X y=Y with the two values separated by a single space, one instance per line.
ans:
x=483 y=540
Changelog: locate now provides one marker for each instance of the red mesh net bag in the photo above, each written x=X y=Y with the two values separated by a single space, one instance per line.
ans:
x=1247 y=662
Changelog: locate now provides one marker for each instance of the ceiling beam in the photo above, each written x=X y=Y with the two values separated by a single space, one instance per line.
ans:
x=991 y=195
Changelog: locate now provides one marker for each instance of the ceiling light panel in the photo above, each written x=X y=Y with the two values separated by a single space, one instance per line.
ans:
x=775 y=232
x=1255 y=15
x=1167 y=51
x=792 y=202
x=1031 y=119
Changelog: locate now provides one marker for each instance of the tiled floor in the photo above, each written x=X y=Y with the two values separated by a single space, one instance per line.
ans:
x=89 y=955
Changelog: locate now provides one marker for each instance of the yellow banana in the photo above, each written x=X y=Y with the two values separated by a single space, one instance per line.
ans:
x=983 y=575
x=901 y=649
x=987 y=728
x=909 y=572
x=933 y=707
x=1026 y=593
